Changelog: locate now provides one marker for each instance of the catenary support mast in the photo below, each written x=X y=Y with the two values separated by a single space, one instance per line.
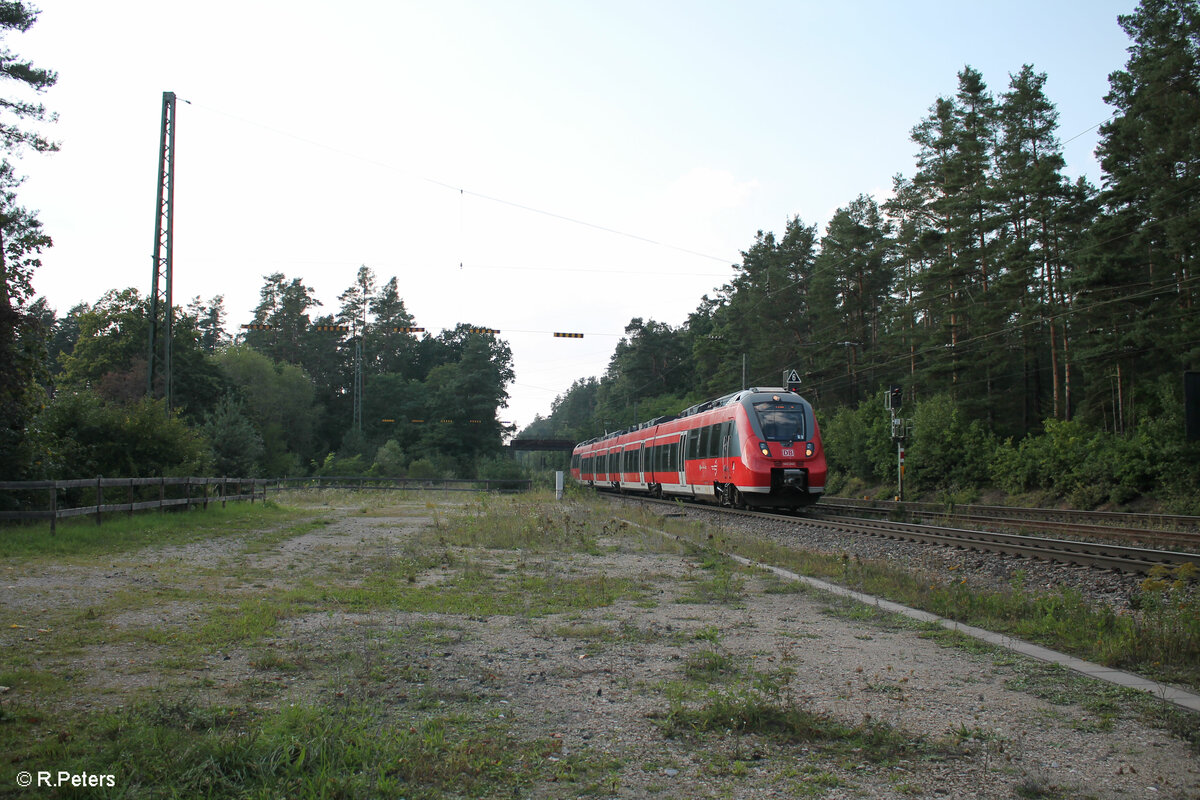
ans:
x=158 y=364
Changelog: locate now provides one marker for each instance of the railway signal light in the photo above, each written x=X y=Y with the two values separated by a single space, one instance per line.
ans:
x=894 y=398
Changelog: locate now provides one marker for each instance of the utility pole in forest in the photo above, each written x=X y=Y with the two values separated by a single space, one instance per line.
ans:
x=158 y=363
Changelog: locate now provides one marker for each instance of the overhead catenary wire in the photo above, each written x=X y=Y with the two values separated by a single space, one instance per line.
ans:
x=463 y=191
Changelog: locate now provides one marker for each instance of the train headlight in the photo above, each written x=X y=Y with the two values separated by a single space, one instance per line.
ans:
x=809 y=449
x=762 y=448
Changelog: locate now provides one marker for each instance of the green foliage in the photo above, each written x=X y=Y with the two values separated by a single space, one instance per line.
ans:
x=501 y=468
x=947 y=451
x=858 y=444
x=339 y=465
x=236 y=445
x=429 y=468
x=84 y=435
x=279 y=400
x=109 y=355
x=1090 y=467
x=389 y=460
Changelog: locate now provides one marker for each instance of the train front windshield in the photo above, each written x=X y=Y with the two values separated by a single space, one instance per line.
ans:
x=782 y=422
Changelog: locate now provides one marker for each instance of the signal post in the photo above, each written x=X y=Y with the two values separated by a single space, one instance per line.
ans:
x=893 y=400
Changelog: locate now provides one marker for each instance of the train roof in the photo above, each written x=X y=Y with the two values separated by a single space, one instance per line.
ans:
x=699 y=408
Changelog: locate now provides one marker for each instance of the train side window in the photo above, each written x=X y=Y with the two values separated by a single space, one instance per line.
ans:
x=675 y=460
x=693 y=438
x=703 y=449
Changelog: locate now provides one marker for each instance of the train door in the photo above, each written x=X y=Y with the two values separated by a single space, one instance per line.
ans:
x=682 y=459
x=726 y=436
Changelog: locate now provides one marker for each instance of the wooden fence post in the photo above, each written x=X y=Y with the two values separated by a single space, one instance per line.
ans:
x=224 y=489
x=99 y=496
x=54 y=509
x=162 y=492
x=131 y=497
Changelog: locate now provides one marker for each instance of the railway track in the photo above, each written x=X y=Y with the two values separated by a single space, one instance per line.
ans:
x=1163 y=531
x=1102 y=555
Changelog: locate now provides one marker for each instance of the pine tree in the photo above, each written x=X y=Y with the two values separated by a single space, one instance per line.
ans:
x=952 y=294
x=1141 y=286
x=850 y=291
x=1031 y=194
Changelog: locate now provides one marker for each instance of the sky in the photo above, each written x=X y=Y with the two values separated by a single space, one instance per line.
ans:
x=526 y=165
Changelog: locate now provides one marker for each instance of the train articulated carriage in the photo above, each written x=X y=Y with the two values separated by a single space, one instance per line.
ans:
x=757 y=447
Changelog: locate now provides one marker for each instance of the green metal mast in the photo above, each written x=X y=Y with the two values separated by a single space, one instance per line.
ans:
x=158 y=364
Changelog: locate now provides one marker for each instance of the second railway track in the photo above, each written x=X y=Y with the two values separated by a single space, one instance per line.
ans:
x=1140 y=560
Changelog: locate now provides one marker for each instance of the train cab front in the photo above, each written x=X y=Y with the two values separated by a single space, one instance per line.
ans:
x=787 y=448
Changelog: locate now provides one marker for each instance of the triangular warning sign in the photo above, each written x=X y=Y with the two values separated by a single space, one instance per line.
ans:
x=793 y=377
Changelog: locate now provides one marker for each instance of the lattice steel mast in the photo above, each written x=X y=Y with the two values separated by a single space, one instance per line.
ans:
x=158 y=364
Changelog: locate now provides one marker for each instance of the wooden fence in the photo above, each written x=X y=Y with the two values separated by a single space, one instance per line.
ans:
x=405 y=484
x=195 y=492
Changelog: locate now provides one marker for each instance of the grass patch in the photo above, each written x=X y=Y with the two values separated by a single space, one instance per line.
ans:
x=122 y=533
x=710 y=666
x=718 y=581
x=354 y=750
x=757 y=706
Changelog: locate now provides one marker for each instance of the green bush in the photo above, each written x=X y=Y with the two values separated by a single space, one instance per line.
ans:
x=501 y=468
x=858 y=445
x=1091 y=467
x=389 y=460
x=946 y=452
x=85 y=436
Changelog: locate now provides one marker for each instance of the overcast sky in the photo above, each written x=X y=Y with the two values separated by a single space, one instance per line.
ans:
x=527 y=165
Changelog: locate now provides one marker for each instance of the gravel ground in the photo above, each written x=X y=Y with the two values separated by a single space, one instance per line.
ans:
x=598 y=679
x=985 y=570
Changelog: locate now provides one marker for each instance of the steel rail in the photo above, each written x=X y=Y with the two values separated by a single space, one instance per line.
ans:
x=1066 y=551
x=1125 y=534
x=1112 y=519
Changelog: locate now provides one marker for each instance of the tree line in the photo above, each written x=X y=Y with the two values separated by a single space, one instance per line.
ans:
x=1038 y=325
x=277 y=400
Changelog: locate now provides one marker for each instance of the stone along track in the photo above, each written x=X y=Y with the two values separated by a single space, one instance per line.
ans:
x=1171 y=531
x=1083 y=552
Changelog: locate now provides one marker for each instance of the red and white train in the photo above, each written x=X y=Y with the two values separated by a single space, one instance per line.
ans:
x=756 y=447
